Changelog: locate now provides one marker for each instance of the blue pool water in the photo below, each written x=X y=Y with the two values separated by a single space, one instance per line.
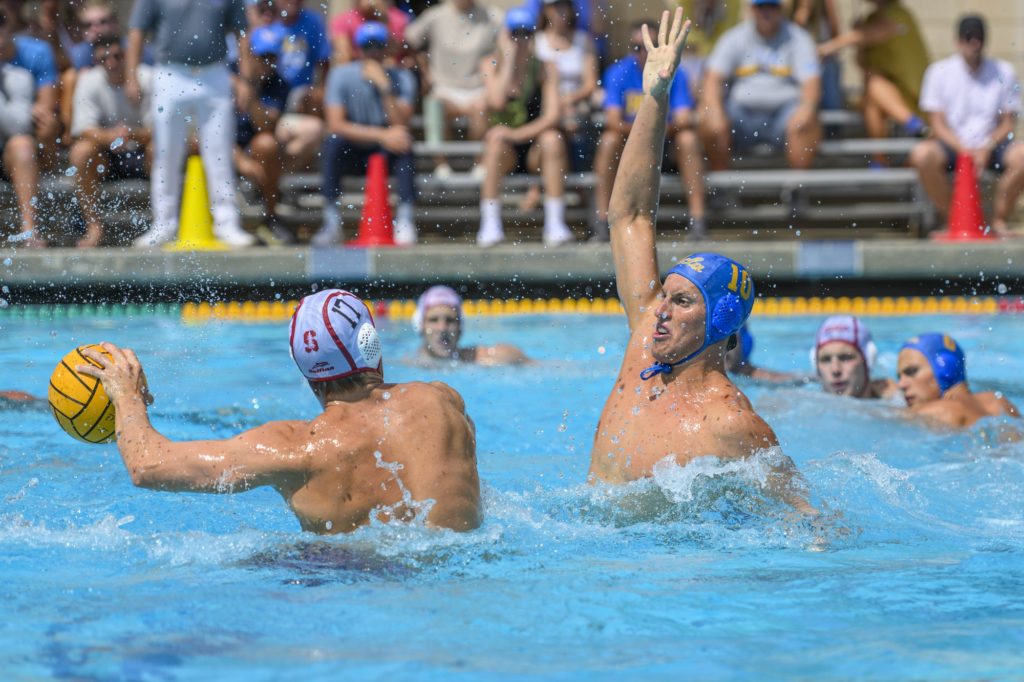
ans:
x=693 y=574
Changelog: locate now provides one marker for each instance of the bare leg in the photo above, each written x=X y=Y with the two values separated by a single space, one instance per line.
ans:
x=929 y=159
x=802 y=142
x=301 y=136
x=717 y=141
x=266 y=152
x=884 y=94
x=499 y=156
x=1009 y=188
x=691 y=167
x=606 y=164
x=553 y=162
x=20 y=161
x=85 y=157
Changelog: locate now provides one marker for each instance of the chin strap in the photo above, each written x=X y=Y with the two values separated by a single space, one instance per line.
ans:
x=667 y=367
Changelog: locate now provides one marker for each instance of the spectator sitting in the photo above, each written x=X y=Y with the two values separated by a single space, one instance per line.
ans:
x=302 y=63
x=623 y=92
x=259 y=13
x=770 y=66
x=893 y=56
x=453 y=37
x=46 y=22
x=257 y=152
x=17 y=109
x=345 y=25
x=111 y=133
x=36 y=55
x=820 y=19
x=368 y=108
x=522 y=97
x=589 y=16
x=972 y=103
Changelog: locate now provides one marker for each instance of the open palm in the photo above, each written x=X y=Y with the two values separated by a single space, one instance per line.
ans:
x=663 y=57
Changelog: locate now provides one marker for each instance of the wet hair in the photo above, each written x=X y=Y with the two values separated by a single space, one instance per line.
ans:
x=335 y=386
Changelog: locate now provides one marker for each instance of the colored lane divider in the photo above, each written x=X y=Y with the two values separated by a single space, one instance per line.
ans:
x=402 y=309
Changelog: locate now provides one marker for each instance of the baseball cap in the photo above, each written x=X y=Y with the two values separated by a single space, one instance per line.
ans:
x=266 y=40
x=757 y=3
x=971 y=26
x=372 y=32
x=849 y=330
x=520 y=19
x=333 y=336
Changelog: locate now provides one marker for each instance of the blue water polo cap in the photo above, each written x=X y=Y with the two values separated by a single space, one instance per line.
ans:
x=944 y=355
x=520 y=19
x=728 y=291
x=372 y=32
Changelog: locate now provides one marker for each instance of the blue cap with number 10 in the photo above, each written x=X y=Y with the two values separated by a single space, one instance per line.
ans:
x=728 y=292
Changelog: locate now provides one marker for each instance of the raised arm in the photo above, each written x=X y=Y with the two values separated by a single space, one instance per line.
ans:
x=261 y=456
x=633 y=207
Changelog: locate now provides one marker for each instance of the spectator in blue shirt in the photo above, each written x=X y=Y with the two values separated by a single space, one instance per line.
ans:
x=302 y=63
x=367 y=108
x=257 y=152
x=18 y=107
x=37 y=57
x=623 y=86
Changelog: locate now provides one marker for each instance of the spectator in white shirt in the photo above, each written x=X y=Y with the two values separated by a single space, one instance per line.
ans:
x=972 y=102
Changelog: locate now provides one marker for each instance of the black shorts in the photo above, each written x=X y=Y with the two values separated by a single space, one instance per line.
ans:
x=995 y=160
x=126 y=165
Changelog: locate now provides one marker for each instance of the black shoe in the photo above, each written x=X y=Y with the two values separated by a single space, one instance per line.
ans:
x=599 y=231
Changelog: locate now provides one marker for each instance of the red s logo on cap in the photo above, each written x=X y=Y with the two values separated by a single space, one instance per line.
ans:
x=309 y=338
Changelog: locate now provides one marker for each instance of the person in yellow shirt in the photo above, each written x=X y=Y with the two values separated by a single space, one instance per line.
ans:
x=893 y=56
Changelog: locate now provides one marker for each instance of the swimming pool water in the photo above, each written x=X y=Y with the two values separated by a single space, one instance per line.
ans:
x=691 y=575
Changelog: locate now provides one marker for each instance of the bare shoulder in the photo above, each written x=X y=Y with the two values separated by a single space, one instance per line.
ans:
x=997 y=404
x=431 y=394
x=948 y=412
x=738 y=427
x=277 y=434
x=500 y=354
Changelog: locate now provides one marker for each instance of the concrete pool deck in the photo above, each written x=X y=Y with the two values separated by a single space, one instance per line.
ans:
x=800 y=267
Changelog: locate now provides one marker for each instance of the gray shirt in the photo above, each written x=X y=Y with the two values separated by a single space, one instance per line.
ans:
x=347 y=87
x=189 y=32
x=455 y=42
x=17 y=94
x=763 y=74
x=98 y=104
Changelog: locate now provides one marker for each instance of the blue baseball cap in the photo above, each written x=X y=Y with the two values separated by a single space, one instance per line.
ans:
x=372 y=32
x=757 y=3
x=949 y=365
x=520 y=19
x=728 y=291
x=266 y=40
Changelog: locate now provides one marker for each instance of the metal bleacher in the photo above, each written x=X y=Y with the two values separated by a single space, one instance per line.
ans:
x=840 y=197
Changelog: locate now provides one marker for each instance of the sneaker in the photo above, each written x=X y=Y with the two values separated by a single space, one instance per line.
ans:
x=442 y=171
x=487 y=238
x=557 y=235
x=405 y=232
x=327 y=235
x=698 y=230
x=155 y=236
x=234 y=236
x=478 y=173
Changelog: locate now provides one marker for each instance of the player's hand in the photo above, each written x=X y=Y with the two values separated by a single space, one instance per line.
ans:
x=121 y=373
x=663 y=57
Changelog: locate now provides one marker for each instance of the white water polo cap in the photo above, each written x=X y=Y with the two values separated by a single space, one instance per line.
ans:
x=333 y=336
x=435 y=295
x=849 y=330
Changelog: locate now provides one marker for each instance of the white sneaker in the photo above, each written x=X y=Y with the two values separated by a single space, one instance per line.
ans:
x=155 y=236
x=234 y=237
x=488 y=237
x=327 y=235
x=442 y=171
x=558 y=234
x=478 y=173
x=405 y=232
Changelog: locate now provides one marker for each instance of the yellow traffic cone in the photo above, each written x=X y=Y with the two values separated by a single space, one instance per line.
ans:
x=195 y=224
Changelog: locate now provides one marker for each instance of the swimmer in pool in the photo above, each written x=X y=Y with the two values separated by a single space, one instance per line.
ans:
x=438 y=321
x=844 y=355
x=932 y=373
x=672 y=396
x=738 y=362
x=378 y=450
x=18 y=397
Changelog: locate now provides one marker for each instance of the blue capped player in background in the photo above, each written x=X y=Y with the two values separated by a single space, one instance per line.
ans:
x=739 y=362
x=672 y=397
x=932 y=374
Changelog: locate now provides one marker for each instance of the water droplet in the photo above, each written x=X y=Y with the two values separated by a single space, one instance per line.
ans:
x=101 y=168
x=328 y=524
x=116 y=143
x=71 y=171
x=7 y=261
x=387 y=395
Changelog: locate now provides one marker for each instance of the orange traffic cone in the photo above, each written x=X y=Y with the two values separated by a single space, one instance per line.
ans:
x=966 y=218
x=376 y=227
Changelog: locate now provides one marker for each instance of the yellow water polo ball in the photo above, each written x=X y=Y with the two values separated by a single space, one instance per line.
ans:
x=78 y=401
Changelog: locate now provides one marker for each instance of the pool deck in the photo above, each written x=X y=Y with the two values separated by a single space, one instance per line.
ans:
x=801 y=267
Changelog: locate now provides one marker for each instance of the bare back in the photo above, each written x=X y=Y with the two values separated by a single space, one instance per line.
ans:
x=964 y=410
x=696 y=412
x=387 y=455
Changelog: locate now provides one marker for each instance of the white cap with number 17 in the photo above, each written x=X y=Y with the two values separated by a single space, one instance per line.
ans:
x=333 y=336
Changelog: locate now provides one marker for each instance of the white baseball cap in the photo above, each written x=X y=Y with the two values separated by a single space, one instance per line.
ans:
x=333 y=336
